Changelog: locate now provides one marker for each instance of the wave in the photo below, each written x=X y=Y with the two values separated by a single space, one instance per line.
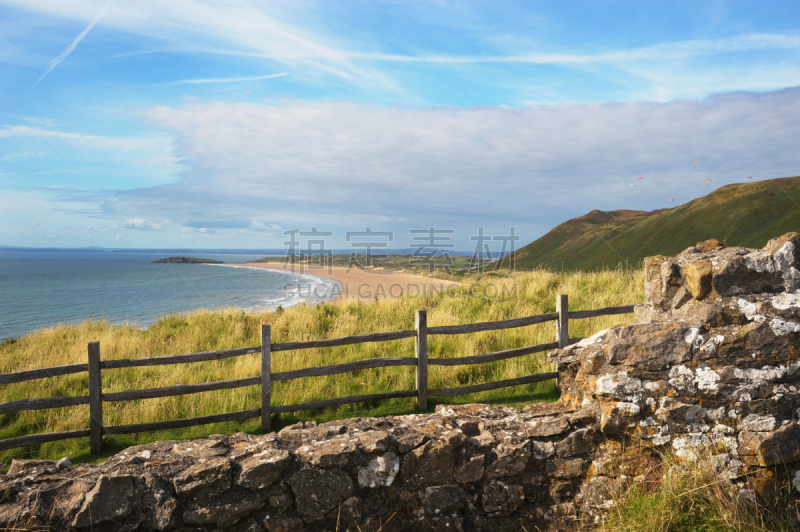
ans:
x=304 y=288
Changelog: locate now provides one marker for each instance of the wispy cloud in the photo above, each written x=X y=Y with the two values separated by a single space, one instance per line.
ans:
x=668 y=51
x=220 y=80
x=244 y=26
x=68 y=50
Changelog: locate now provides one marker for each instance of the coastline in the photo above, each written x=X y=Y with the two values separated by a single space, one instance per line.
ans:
x=363 y=285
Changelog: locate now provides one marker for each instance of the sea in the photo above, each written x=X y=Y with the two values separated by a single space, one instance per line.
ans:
x=44 y=288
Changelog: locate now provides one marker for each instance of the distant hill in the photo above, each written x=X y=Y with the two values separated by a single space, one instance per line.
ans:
x=744 y=214
x=186 y=260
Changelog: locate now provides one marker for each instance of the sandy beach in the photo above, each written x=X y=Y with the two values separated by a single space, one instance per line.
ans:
x=365 y=285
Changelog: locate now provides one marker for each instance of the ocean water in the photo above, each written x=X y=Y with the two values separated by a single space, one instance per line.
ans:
x=42 y=289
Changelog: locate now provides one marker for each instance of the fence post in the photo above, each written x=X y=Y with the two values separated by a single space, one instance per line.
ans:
x=95 y=399
x=266 y=378
x=562 y=325
x=421 y=344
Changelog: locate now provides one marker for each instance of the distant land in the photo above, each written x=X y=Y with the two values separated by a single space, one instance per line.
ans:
x=391 y=262
x=186 y=260
x=274 y=252
x=744 y=214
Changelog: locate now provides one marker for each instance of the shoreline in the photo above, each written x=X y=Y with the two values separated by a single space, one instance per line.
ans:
x=363 y=285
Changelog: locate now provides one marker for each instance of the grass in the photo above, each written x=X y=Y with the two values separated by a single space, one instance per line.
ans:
x=691 y=497
x=481 y=298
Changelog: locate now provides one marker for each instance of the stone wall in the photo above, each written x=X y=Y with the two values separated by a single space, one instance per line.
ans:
x=714 y=358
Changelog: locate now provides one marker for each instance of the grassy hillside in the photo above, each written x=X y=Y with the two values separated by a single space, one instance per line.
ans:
x=746 y=214
x=523 y=294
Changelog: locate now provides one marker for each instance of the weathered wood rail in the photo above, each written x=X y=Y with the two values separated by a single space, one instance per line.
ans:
x=420 y=360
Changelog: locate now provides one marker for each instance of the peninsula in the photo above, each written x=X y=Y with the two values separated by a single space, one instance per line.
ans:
x=186 y=260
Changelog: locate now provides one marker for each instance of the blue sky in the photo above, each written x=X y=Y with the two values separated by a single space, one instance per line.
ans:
x=225 y=123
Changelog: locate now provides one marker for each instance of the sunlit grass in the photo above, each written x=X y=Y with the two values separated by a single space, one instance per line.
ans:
x=515 y=295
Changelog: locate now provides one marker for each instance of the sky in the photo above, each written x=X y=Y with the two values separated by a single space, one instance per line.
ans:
x=227 y=124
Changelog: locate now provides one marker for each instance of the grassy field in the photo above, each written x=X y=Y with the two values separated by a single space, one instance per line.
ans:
x=486 y=298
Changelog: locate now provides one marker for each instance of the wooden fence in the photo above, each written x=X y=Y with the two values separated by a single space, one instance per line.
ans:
x=96 y=397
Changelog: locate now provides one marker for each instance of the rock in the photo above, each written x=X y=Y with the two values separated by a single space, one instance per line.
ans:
x=453 y=438
x=350 y=511
x=284 y=524
x=535 y=484
x=560 y=489
x=579 y=442
x=618 y=386
x=374 y=441
x=776 y=244
x=483 y=440
x=711 y=244
x=106 y=502
x=511 y=460
x=328 y=453
x=618 y=418
x=201 y=449
x=204 y=479
x=542 y=450
x=782 y=446
x=756 y=423
x=433 y=463
x=547 y=426
x=470 y=470
x=450 y=522
x=164 y=506
x=749 y=442
x=263 y=469
x=380 y=472
x=650 y=347
x=318 y=491
x=470 y=428
x=501 y=497
x=63 y=464
x=560 y=468
x=281 y=501
x=698 y=278
x=601 y=492
x=410 y=441
x=439 y=499
x=224 y=510
x=27 y=467
x=664 y=283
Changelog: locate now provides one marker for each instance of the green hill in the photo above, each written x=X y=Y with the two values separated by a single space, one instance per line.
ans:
x=745 y=214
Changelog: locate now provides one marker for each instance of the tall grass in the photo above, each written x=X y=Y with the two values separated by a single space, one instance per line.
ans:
x=691 y=497
x=481 y=298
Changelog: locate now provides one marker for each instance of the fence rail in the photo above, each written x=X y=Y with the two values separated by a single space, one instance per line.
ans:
x=95 y=366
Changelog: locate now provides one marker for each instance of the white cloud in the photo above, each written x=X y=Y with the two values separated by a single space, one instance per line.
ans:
x=140 y=225
x=350 y=165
